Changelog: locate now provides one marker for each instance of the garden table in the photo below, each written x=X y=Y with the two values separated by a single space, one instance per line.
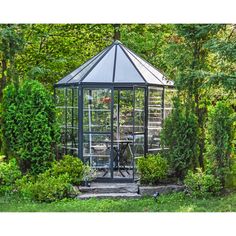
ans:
x=119 y=147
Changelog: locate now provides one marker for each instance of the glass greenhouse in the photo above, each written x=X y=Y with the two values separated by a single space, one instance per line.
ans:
x=111 y=111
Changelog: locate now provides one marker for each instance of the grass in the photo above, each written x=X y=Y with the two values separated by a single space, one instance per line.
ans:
x=176 y=202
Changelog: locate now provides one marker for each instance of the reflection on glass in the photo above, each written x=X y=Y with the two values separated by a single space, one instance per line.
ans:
x=154 y=117
x=67 y=117
x=138 y=145
x=123 y=114
x=96 y=153
x=168 y=101
x=139 y=110
x=97 y=110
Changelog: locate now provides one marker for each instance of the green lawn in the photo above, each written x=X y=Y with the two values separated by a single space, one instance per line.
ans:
x=176 y=202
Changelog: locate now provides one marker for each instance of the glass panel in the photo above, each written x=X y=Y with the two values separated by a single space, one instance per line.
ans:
x=97 y=118
x=123 y=118
x=138 y=145
x=149 y=77
x=139 y=121
x=139 y=110
x=123 y=134
x=72 y=138
x=67 y=116
x=125 y=71
x=97 y=110
x=82 y=70
x=96 y=152
x=154 y=117
x=168 y=102
x=151 y=74
x=103 y=71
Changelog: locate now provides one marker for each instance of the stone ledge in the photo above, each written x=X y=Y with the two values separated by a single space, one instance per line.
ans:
x=162 y=189
x=110 y=188
x=108 y=195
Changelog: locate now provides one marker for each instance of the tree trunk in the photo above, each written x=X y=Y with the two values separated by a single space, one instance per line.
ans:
x=116 y=32
x=4 y=78
x=200 y=112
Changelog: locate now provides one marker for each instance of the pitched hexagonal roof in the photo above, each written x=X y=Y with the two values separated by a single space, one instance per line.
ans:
x=116 y=64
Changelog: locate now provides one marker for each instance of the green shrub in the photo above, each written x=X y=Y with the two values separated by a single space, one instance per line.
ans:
x=70 y=165
x=29 y=130
x=230 y=180
x=9 y=173
x=180 y=135
x=152 y=169
x=220 y=138
x=55 y=183
x=201 y=184
x=45 y=188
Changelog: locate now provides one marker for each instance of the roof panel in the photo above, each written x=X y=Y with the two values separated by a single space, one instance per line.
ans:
x=103 y=71
x=125 y=71
x=78 y=77
x=149 y=77
x=82 y=69
x=161 y=77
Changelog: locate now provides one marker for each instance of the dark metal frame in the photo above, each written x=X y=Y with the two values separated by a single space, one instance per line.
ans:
x=81 y=133
x=81 y=85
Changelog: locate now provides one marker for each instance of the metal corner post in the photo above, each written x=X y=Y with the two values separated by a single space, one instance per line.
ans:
x=163 y=105
x=80 y=122
x=146 y=122
x=112 y=131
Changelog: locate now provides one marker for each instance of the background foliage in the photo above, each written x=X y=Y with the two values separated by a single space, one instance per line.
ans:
x=200 y=58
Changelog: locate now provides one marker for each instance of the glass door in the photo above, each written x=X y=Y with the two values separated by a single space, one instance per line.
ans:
x=97 y=130
x=123 y=134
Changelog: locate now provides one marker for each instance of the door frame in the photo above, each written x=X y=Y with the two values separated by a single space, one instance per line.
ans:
x=82 y=132
x=145 y=119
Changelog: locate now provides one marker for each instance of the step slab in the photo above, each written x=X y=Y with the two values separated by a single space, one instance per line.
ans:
x=165 y=189
x=110 y=188
x=108 y=195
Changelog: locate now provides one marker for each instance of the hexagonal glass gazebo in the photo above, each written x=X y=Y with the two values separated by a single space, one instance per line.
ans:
x=111 y=110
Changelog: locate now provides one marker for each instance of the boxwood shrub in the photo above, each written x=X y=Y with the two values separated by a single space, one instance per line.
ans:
x=70 y=165
x=152 y=169
x=9 y=173
x=55 y=183
x=45 y=188
x=201 y=184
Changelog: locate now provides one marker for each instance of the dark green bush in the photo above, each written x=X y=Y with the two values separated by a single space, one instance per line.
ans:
x=9 y=173
x=55 y=183
x=45 y=188
x=29 y=130
x=201 y=184
x=180 y=136
x=152 y=169
x=70 y=165
x=220 y=137
x=230 y=179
